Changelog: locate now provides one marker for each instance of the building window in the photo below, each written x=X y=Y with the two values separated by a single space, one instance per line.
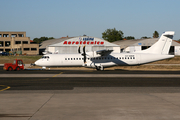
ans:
x=25 y=42
x=18 y=42
x=33 y=49
x=7 y=43
x=13 y=35
x=20 y=35
x=1 y=43
x=5 y=35
x=25 y=49
x=0 y=35
x=7 y=50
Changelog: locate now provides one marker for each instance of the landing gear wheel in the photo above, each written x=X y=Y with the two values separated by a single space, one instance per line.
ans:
x=99 y=68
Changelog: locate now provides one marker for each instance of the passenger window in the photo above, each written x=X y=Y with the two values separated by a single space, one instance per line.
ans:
x=122 y=57
x=68 y=58
x=65 y=58
x=71 y=59
x=79 y=58
x=119 y=57
x=96 y=58
x=74 y=58
x=82 y=58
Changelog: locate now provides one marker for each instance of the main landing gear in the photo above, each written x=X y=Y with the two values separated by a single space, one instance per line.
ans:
x=99 y=68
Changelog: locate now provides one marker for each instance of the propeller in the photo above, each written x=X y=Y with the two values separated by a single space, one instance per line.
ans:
x=84 y=54
x=79 y=49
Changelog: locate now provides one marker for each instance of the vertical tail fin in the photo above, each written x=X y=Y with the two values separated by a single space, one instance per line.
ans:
x=162 y=46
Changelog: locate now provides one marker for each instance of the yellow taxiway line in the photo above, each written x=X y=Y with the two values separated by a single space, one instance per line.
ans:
x=7 y=87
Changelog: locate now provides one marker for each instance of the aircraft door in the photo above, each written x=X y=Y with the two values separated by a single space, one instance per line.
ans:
x=138 y=58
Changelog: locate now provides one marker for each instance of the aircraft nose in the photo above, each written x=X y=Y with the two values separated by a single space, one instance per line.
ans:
x=37 y=62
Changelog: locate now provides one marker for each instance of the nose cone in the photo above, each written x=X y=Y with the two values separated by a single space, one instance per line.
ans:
x=37 y=62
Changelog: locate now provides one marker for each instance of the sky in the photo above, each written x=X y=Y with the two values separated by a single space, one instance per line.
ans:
x=61 y=18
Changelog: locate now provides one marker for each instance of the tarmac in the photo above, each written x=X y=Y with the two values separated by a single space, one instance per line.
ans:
x=89 y=94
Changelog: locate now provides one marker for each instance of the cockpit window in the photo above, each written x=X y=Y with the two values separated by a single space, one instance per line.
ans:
x=45 y=57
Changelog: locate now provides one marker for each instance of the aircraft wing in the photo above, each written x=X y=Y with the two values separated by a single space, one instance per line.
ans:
x=104 y=52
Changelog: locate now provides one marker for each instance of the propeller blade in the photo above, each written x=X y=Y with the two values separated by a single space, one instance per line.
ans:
x=84 y=58
x=84 y=54
x=79 y=49
x=84 y=50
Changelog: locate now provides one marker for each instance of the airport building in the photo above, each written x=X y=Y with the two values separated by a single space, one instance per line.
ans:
x=17 y=42
x=71 y=45
x=141 y=44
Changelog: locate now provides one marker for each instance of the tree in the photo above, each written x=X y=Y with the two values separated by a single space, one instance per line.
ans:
x=112 y=35
x=41 y=39
x=145 y=37
x=129 y=37
x=155 y=34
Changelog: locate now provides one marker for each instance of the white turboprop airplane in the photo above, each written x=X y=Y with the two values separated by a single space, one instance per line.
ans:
x=106 y=58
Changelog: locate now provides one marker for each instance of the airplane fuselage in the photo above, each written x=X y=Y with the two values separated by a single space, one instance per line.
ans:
x=121 y=59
